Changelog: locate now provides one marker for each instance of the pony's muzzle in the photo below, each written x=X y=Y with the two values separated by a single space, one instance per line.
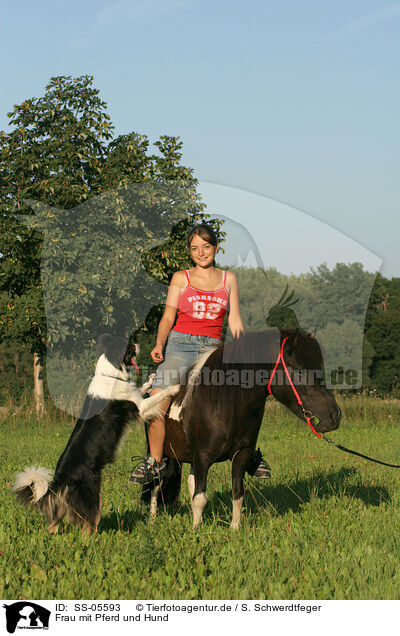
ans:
x=335 y=419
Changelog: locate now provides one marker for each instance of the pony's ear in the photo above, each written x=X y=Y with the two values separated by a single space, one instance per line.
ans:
x=313 y=332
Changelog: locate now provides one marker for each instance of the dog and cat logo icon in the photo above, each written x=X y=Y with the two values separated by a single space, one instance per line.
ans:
x=26 y=615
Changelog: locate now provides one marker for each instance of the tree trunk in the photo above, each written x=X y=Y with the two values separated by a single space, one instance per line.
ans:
x=16 y=363
x=38 y=384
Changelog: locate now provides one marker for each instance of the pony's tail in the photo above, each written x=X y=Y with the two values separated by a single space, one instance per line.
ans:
x=173 y=480
x=32 y=488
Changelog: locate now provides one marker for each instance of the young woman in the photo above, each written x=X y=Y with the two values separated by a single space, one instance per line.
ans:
x=202 y=296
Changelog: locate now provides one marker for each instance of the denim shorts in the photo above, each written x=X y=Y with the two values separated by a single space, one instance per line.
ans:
x=182 y=350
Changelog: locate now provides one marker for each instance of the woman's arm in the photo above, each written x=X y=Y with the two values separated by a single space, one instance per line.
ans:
x=168 y=319
x=234 y=319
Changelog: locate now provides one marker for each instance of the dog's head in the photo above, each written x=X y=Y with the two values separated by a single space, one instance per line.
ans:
x=118 y=351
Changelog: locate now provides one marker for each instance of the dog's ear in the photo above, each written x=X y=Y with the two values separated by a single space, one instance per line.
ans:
x=103 y=342
x=115 y=351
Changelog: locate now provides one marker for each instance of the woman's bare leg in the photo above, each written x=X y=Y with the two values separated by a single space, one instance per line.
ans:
x=156 y=431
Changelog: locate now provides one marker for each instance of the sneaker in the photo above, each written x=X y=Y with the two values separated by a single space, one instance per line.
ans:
x=149 y=470
x=259 y=467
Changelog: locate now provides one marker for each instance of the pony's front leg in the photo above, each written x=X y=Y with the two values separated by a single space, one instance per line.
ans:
x=240 y=462
x=199 y=498
x=190 y=482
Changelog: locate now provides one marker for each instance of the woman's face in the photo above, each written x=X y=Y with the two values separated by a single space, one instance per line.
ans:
x=201 y=251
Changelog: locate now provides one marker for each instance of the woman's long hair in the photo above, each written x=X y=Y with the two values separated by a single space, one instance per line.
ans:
x=205 y=232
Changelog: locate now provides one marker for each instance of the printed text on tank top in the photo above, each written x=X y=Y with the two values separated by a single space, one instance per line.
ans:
x=207 y=304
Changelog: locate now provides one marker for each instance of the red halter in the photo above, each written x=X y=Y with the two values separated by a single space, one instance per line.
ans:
x=307 y=414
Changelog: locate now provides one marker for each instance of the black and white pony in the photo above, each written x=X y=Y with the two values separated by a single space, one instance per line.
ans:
x=112 y=402
x=218 y=412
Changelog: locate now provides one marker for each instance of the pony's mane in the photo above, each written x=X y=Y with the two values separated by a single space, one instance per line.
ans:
x=259 y=347
x=262 y=347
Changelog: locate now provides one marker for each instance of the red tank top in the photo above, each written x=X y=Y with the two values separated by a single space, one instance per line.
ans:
x=201 y=313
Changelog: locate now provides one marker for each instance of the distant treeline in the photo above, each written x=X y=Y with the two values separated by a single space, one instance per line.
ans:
x=345 y=305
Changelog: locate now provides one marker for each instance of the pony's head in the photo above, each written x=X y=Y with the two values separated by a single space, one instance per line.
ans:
x=303 y=358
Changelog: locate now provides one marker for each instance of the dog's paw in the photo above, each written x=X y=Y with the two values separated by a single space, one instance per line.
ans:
x=174 y=389
x=145 y=388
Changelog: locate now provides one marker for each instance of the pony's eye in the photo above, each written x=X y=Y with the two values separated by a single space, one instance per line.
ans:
x=299 y=376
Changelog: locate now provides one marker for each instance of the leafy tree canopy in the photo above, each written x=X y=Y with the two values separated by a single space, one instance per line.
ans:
x=104 y=223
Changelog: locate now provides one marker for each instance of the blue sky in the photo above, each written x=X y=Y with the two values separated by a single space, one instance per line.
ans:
x=297 y=101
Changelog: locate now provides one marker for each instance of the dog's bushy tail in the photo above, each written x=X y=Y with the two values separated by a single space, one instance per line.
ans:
x=32 y=488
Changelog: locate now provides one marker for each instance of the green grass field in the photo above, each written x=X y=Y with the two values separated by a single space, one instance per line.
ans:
x=326 y=526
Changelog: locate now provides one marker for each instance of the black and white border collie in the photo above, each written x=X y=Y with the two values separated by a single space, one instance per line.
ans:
x=111 y=403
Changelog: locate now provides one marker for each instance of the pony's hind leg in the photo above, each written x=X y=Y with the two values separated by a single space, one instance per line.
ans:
x=98 y=515
x=239 y=465
x=199 y=498
x=153 y=501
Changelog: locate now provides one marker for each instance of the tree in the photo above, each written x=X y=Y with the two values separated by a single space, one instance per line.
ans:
x=53 y=154
x=103 y=214
x=341 y=293
x=384 y=335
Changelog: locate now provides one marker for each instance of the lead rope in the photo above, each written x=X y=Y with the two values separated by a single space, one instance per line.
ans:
x=352 y=452
x=309 y=416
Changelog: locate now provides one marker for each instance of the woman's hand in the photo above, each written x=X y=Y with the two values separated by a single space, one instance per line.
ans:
x=157 y=354
x=236 y=328
x=165 y=326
